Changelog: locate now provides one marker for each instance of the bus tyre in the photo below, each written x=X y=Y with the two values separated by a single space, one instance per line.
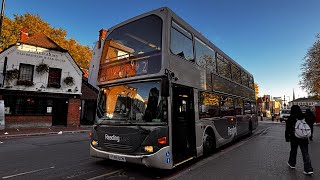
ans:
x=208 y=145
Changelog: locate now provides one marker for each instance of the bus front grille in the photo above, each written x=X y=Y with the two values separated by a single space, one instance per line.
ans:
x=122 y=147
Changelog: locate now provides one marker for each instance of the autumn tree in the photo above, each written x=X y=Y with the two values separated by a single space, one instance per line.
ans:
x=11 y=32
x=311 y=69
x=256 y=90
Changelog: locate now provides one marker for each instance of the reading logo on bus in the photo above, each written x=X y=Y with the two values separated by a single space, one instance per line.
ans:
x=112 y=138
x=232 y=130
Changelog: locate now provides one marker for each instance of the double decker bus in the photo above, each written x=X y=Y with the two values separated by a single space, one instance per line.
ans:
x=167 y=94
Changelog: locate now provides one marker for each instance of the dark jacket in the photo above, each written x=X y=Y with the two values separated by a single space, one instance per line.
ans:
x=310 y=118
x=290 y=128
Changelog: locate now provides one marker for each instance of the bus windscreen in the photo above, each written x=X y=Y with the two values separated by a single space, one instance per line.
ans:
x=131 y=50
x=137 y=103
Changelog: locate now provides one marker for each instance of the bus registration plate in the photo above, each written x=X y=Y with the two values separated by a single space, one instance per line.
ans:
x=117 y=158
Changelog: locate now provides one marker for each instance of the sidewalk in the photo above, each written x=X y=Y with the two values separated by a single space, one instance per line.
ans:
x=269 y=120
x=11 y=133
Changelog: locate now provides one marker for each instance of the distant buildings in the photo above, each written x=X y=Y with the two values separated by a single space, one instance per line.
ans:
x=304 y=103
x=272 y=105
x=269 y=105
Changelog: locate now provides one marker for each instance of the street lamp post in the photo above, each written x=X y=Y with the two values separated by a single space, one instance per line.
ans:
x=1 y=18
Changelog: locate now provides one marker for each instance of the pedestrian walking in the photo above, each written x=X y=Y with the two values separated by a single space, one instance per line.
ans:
x=296 y=114
x=310 y=120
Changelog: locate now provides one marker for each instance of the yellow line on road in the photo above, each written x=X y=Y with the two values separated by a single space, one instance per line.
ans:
x=107 y=174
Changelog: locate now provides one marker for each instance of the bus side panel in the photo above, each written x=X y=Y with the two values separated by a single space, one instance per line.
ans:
x=187 y=73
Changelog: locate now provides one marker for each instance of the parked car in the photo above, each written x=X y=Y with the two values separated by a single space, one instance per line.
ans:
x=284 y=114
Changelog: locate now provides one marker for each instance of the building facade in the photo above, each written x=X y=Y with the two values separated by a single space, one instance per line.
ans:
x=40 y=84
x=305 y=103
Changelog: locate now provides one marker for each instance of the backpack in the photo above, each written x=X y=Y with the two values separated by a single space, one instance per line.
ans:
x=302 y=129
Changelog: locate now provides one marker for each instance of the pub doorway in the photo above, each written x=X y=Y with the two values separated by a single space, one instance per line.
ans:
x=60 y=112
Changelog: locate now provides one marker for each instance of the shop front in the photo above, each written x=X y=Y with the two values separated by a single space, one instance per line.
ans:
x=30 y=109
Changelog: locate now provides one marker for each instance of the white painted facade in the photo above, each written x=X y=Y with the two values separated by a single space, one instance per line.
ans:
x=26 y=54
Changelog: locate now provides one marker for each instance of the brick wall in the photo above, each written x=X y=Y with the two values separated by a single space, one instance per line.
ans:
x=74 y=111
x=27 y=121
x=88 y=93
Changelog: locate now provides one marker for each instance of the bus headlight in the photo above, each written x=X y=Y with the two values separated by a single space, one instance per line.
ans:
x=94 y=143
x=148 y=149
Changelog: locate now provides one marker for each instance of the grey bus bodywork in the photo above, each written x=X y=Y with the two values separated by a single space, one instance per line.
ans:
x=190 y=128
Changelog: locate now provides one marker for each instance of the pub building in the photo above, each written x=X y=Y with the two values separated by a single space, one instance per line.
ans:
x=40 y=84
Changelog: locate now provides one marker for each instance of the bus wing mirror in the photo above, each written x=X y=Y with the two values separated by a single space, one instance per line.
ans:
x=165 y=87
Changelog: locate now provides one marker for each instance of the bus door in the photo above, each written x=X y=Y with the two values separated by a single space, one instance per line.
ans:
x=183 y=124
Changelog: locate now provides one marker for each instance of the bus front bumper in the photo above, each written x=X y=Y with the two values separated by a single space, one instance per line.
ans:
x=161 y=159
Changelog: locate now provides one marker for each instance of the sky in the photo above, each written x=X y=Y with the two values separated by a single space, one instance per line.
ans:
x=269 y=38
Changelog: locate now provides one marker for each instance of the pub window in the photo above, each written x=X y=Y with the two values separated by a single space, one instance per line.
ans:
x=209 y=105
x=54 y=77
x=236 y=73
x=26 y=72
x=181 y=42
x=205 y=56
x=19 y=106
x=24 y=105
x=244 y=77
x=227 y=106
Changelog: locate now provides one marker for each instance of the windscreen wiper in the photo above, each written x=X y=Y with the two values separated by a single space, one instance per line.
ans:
x=146 y=131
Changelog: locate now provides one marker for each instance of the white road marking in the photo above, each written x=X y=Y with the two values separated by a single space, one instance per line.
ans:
x=1 y=142
x=29 y=172
x=262 y=133
x=107 y=174
x=81 y=173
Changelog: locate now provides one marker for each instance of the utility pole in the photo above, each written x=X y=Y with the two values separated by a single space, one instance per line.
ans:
x=1 y=18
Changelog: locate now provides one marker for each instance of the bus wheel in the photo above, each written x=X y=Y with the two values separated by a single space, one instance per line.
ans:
x=208 y=144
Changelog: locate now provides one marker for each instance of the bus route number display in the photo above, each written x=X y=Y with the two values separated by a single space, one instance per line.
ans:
x=142 y=67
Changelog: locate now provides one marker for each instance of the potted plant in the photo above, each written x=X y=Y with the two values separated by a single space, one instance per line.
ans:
x=12 y=74
x=25 y=83
x=42 y=68
x=69 y=81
